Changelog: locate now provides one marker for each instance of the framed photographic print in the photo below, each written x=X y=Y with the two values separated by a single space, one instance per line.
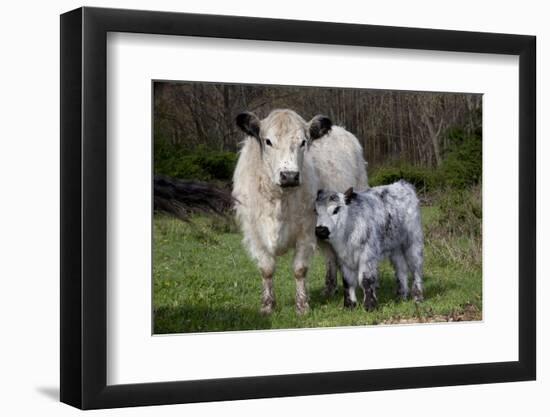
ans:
x=256 y=208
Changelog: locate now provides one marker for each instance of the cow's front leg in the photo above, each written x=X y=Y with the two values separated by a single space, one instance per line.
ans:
x=267 y=269
x=302 y=259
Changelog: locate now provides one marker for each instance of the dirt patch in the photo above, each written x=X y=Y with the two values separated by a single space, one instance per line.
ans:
x=468 y=313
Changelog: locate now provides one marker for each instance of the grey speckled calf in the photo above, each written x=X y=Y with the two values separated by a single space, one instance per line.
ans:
x=364 y=228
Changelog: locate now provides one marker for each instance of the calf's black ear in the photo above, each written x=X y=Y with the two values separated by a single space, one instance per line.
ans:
x=249 y=123
x=349 y=195
x=319 y=126
x=319 y=192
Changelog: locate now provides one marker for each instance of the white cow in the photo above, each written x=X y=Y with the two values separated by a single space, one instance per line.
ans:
x=283 y=162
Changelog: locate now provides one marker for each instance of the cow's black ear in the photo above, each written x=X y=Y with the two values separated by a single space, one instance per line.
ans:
x=249 y=123
x=319 y=126
x=349 y=195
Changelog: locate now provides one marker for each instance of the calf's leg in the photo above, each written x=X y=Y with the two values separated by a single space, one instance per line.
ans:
x=401 y=273
x=415 y=260
x=331 y=275
x=350 y=283
x=368 y=275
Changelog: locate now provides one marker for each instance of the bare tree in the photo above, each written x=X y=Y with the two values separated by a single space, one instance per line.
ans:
x=392 y=125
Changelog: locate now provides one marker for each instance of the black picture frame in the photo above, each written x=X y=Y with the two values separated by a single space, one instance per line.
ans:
x=84 y=207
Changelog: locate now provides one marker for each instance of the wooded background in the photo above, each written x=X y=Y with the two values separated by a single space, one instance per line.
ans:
x=393 y=126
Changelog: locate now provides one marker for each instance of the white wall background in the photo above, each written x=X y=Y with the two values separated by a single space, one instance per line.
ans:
x=29 y=210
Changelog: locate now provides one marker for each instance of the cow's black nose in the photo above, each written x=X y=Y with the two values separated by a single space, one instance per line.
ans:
x=289 y=178
x=322 y=232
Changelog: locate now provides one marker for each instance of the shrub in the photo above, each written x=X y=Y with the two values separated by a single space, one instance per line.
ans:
x=218 y=165
x=200 y=164
x=424 y=179
x=460 y=212
x=462 y=166
x=454 y=236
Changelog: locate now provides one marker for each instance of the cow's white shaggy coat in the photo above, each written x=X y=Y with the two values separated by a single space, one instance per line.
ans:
x=275 y=218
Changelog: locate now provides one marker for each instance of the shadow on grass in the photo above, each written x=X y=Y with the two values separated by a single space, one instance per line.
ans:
x=193 y=319
x=317 y=296
x=434 y=288
x=386 y=292
x=214 y=318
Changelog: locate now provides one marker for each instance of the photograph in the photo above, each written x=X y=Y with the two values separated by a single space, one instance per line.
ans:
x=285 y=207
x=240 y=193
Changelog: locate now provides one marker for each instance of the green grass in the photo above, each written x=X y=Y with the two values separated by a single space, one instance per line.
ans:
x=204 y=281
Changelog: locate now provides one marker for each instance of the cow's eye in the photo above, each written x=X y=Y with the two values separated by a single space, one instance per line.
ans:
x=268 y=142
x=303 y=144
x=336 y=210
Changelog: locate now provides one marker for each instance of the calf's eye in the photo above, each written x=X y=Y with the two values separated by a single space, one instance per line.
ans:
x=336 y=210
x=303 y=144
x=268 y=142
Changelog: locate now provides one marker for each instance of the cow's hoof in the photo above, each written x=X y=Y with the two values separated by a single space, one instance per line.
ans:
x=267 y=309
x=302 y=308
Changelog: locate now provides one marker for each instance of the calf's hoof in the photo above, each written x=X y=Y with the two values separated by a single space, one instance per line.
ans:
x=417 y=295
x=400 y=294
x=418 y=298
x=370 y=305
x=330 y=291
x=401 y=297
x=349 y=304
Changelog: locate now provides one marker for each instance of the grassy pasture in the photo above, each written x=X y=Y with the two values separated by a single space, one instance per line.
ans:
x=204 y=281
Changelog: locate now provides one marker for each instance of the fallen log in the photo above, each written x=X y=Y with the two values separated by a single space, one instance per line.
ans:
x=181 y=198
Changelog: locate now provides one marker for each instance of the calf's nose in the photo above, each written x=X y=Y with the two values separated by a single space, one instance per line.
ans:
x=322 y=232
x=289 y=178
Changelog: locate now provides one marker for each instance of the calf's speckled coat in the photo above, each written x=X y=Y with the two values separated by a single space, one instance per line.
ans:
x=365 y=227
